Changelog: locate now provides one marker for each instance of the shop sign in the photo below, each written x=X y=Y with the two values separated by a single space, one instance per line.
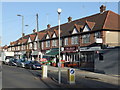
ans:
x=69 y=48
x=90 y=48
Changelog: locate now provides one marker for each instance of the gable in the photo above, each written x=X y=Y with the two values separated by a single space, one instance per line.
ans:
x=36 y=38
x=86 y=28
x=74 y=31
x=54 y=35
x=47 y=37
x=29 y=40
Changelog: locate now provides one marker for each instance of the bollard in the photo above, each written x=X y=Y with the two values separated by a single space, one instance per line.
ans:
x=71 y=76
x=44 y=71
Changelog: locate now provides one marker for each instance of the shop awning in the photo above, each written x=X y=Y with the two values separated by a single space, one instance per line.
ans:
x=35 y=53
x=52 y=53
x=70 y=51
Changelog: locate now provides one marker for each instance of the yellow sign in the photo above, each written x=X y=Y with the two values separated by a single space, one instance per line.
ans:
x=72 y=78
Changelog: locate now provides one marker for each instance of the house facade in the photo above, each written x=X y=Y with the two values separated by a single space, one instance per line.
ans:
x=80 y=40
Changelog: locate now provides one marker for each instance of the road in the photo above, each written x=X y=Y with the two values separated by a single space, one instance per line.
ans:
x=16 y=77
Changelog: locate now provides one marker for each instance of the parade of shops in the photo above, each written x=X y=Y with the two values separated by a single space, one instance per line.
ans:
x=82 y=41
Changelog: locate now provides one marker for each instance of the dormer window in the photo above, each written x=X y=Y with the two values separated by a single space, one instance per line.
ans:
x=74 y=31
x=47 y=37
x=29 y=40
x=54 y=35
x=86 y=28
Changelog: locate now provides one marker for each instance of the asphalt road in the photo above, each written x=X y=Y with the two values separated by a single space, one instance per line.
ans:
x=16 y=77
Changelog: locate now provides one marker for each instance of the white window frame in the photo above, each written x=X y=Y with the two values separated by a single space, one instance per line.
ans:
x=35 y=45
x=30 y=45
x=66 y=41
x=86 y=38
x=54 y=43
x=42 y=45
x=74 y=40
x=47 y=43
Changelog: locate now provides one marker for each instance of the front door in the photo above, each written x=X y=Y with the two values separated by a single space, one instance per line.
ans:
x=87 y=60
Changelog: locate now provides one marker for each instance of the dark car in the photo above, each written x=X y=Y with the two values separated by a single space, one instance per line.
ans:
x=19 y=62
x=12 y=62
x=33 y=65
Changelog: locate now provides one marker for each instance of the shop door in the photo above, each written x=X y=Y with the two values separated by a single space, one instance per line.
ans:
x=87 y=61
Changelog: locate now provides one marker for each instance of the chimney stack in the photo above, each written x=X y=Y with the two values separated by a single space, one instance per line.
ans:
x=48 y=26
x=69 y=19
x=102 y=8
x=23 y=34
x=34 y=31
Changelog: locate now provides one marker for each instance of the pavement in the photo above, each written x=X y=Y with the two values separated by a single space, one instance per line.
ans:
x=90 y=75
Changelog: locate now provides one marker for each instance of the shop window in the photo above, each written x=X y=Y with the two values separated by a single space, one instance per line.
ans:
x=101 y=57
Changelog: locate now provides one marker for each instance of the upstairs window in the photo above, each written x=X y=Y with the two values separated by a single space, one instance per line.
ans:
x=30 y=46
x=86 y=38
x=74 y=40
x=47 y=43
x=42 y=45
x=35 y=45
x=66 y=41
x=54 y=42
x=97 y=34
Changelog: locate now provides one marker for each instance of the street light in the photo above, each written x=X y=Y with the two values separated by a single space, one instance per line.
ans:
x=59 y=67
x=22 y=23
x=22 y=27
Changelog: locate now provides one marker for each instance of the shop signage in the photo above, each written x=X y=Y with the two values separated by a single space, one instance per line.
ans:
x=98 y=40
x=90 y=48
x=69 y=48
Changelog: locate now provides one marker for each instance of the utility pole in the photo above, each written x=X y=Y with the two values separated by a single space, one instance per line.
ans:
x=37 y=27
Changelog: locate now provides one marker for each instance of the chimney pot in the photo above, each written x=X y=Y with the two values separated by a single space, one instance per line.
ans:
x=48 y=26
x=23 y=34
x=69 y=19
x=34 y=31
x=102 y=8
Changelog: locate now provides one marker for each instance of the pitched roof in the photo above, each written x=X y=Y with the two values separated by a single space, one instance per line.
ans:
x=41 y=35
x=106 y=20
x=32 y=36
x=90 y=24
x=112 y=21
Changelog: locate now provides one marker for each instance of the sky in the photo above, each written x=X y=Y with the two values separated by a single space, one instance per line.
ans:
x=12 y=24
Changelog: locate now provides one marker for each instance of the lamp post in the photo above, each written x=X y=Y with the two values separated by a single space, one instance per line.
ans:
x=22 y=27
x=59 y=67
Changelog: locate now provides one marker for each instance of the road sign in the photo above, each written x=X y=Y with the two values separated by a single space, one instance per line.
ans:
x=71 y=76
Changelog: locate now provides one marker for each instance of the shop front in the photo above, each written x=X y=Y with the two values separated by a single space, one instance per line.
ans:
x=35 y=54
x=87 y=57
x=71 y=56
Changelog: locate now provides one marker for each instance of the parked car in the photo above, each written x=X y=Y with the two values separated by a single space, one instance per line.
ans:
x=33 y=65
x=19 y=62
x=12 y=62
x=23 y=63
x=7 y=60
